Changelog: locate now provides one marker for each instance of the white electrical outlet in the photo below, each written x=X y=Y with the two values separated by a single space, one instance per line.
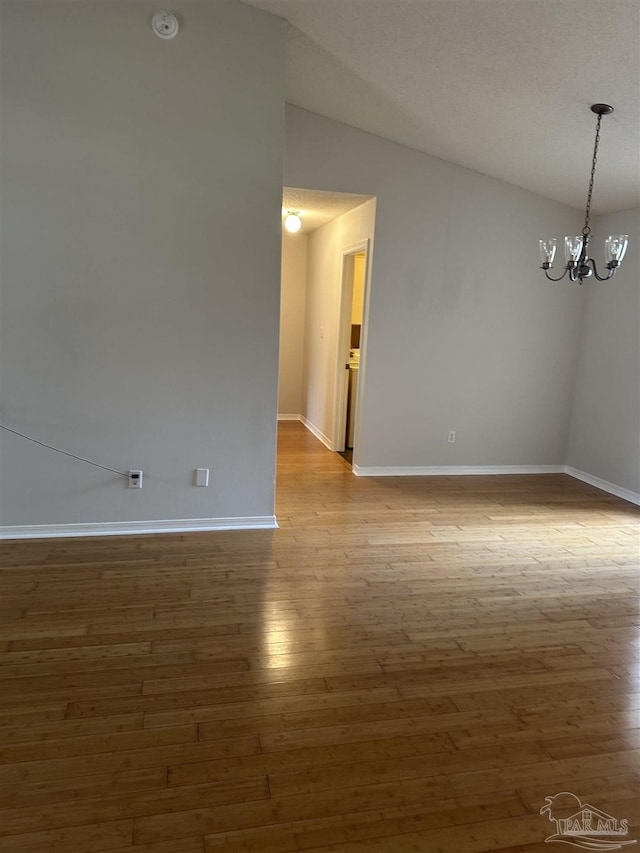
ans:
x=201 y=477
x=452 y=436
x=135 y=479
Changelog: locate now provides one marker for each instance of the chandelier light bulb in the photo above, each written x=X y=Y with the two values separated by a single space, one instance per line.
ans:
x=573 y=248
x=292 y=222
x=548 y=251
x=615 y=247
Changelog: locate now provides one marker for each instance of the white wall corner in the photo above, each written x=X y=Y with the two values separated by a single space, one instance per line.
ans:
x=605 y=485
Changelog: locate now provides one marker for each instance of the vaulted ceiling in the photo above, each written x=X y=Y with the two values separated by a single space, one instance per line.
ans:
x=499 y=86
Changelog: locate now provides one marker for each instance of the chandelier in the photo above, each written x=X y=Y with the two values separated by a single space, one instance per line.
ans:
x=576 y=249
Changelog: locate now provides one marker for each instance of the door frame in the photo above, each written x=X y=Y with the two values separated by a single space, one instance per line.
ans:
x=343 y=346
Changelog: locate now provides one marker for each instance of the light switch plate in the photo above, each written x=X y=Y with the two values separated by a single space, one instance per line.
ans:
x=201 y=477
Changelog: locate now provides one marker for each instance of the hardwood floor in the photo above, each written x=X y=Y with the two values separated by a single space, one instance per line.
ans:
x=405 y=665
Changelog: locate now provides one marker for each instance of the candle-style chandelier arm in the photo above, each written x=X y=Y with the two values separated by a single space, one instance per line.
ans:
x=583 y=268
x=610 y=268
x=550 y=277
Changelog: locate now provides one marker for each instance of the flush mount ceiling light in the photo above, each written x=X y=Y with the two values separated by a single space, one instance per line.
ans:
x=292 y=222
x=576 y=249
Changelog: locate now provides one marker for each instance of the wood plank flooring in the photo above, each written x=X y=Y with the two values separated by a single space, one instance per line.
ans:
x=405 y=665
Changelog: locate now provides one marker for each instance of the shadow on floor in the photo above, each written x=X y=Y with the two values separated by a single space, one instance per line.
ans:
x=347 y=454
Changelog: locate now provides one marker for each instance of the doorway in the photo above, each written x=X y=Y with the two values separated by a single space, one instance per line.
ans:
x=350 y=348
x=316 y=314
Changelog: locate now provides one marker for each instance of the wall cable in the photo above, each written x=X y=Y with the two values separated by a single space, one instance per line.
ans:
x=64 y=452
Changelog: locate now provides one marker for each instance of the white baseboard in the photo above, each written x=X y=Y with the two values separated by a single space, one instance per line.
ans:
x=289 y=417
x=130 y=528
x=456 y=470
x=464 y=470
x=605 y=485
x=315 y=431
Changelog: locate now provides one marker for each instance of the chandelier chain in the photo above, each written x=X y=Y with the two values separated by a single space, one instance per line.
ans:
x=587 y=227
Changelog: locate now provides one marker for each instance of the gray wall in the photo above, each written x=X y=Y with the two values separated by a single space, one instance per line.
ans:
x=293 y=297
x=605 y=427
x=141 y=187
x=465 y=333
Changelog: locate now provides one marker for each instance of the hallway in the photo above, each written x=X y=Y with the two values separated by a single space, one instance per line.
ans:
x=407 y=664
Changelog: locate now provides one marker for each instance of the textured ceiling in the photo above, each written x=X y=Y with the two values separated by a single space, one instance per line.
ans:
x=317 y=208
x=499 y=86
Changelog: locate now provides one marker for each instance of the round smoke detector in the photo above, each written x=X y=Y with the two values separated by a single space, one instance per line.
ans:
x=165 y=25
